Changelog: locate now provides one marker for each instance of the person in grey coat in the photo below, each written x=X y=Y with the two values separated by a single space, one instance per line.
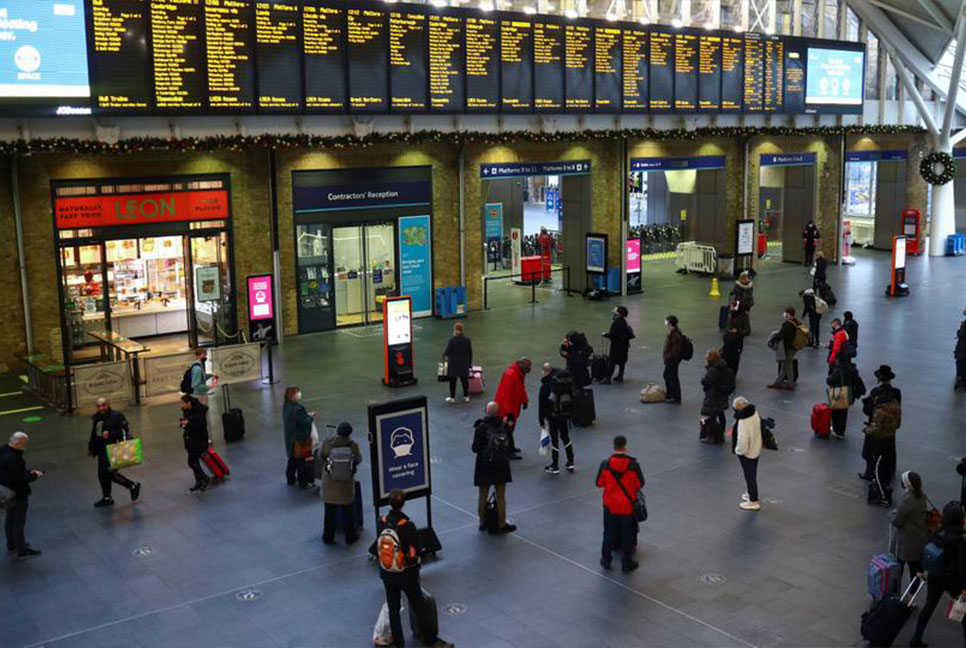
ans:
x=459 y=360
x=909 y=520
x=339 y=494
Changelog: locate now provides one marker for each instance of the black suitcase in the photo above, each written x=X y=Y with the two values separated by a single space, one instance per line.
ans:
x=356 y=512
x=723 y=318
x=232 y=419
x=425 y=626
x=885 y=619
x=827 y=295
x=584 y=413
x=601 y=367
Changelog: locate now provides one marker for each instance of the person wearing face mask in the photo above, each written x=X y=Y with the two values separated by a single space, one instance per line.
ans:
x=838 y=345
x=673 y=355
x=844 y=375
x=341 y=456
x=113 y=427
x=297 y=429
x=951 y=576
x=620 y=336
x=960 y=354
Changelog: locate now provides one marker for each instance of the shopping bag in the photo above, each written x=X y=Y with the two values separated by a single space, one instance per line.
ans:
x=442 y=371
x=544 y=441
x=124 y=454
x=382 y=632
x=316 y=441
x=956 y=610
x=839 y=398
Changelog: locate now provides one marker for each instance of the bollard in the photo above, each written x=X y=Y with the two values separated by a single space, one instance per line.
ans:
x=714 y=288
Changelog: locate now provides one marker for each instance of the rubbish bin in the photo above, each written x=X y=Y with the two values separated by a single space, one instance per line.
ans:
x=726 y=266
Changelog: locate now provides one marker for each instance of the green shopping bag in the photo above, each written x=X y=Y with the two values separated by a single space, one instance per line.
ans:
x=124 y=454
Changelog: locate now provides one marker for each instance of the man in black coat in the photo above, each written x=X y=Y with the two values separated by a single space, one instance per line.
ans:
x=15 y=476
x=553 y=412
x=194 y=423
x=960 y=354
x=113 y=428
x=459 y=360
x=852 y=328
x=810 y=237
x=620 y=336
x=875 y=448
x=491 y=443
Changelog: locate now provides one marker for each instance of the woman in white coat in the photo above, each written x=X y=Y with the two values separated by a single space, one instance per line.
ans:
x=747 y=445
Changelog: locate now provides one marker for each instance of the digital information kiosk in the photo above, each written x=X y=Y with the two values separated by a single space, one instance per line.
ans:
x=898 y=287
x=397 y=338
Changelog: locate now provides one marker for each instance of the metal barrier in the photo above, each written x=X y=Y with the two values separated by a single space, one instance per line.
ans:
x=696 y=258
x=527 y=278
x=48 y=380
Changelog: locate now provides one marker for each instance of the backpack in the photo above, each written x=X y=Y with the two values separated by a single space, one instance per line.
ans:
x=562 y=394
x=497 y=445
x=186 y=378
x=687 y=347
x=934 y=558
x=801 y=337
x=340 y=463
x=389 y=549
x=821 y=306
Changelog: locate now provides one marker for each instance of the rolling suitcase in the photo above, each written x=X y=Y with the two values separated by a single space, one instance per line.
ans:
x=822 y=420
x=215 y=464
x=601 y=367
x=424 y=623
x=584 y=413
x=884 y=576
x=232 y=419
x=885 y=619
x=477 y=382
x=356 y=512
x=723 y=318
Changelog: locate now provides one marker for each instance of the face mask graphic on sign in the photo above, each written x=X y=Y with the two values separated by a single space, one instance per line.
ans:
x=401 y=441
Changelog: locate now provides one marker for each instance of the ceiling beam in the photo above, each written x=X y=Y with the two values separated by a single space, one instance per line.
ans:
x=910 y=16
x=937 y=14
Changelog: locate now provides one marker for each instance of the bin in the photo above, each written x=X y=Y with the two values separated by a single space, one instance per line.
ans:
x=726 y=266
x=956 y=245
x=451 y=302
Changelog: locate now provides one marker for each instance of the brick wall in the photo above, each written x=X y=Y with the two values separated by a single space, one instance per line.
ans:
x=12 y=338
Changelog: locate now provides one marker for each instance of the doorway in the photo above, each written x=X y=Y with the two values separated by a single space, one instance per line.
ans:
x=786 y=203
x=535 y=206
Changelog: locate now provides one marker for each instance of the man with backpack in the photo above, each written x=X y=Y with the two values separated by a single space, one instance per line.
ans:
x=195 y=380
x=340 y=455
x=555 y=408
x=620 y=476
x=677 y=347
x=491 y=443
x=397 y=550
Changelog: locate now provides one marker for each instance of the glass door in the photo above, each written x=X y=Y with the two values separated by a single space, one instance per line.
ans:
x=381 y=265
x=210 y=315
x=314 y=277
x=364 y=271
x=85 y=278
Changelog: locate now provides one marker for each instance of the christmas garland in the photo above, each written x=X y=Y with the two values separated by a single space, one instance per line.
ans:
x=236 y=143
x=927 y=168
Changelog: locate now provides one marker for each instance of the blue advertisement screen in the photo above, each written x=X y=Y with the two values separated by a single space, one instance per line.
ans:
x=43 y=51
x=834 y=77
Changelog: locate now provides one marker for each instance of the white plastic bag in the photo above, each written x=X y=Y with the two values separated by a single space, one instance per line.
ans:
x=544 y=441
x=956 y=610
x=316 y=441
x=382 y=632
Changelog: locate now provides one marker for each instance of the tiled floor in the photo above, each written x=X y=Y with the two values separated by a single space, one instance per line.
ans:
x=791 y=575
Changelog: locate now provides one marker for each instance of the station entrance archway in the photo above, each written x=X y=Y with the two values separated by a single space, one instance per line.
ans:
x=786 y=202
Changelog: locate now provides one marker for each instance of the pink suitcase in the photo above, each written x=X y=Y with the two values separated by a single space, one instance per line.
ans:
x=477 y=382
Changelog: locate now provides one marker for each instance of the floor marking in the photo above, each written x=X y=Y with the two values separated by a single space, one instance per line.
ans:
x=22 y=409
x=13 y=393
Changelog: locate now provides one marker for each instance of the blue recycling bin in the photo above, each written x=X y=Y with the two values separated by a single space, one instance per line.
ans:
x=614 y=281
x=956 y=245
x=451 y=302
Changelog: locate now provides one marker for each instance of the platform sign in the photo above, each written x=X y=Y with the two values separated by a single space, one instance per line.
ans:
x=261 y=307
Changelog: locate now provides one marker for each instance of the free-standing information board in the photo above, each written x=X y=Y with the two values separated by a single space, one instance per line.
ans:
x=397 y=338
x=897 y=287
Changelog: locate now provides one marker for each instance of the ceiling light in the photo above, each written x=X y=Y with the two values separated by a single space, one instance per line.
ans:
x=486 y=6
x=571 y=14
x=739 y=28
x=709 y=25
x=438 y=3
x=676 y=23
x=644 y=21
x=529 y=10
x=611 y=17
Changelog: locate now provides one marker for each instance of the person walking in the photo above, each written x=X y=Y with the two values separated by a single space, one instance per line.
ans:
x=810 y=309
x=398 y=553
x=491 y=444
x=672 y=355
x=820 y=272
x=553 y=412
x=458 y=357
x=16 y=477
x=577 y=352
x=340 y=456
x=620 y=476
x=810 y=238
x=109 y=426
x=511 y=396
x=747 y=446
x=201 y=382
x=844 y=376
x=733 y=342
x=909 y=523
x=959 y=353
x=785 y=349
x=297 y=430
x=194 y=426
x=718 y=383
x=883 y=406
x=620 y=336
x=951 y=578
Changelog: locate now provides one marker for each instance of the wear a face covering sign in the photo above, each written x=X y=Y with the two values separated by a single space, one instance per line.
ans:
x=400 y=437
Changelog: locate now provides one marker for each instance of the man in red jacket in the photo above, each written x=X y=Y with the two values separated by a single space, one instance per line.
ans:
x=511 y=395
x=837 y=345
x=620 y=476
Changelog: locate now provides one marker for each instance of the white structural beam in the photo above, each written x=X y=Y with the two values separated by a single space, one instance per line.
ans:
x=910 y=16
x=910 y=87
x=937 y=14
x=957 y=138
x=956 y=74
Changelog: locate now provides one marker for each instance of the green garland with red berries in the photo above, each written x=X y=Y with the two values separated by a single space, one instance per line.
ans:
x=236 y=143
x=927 y=168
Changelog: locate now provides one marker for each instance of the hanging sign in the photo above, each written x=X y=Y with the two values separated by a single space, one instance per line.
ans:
x=525 y=169
x=787 y=159
x=678 y=164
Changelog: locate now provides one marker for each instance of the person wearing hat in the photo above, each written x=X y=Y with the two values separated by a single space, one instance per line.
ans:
x=339 y=494
x=883 y=406
x=620 y=336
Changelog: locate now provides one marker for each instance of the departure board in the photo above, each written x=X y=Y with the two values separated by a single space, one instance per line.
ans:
x=754 y=83
x=686 y=72
x=323 y=53
x=446 y=61
x=366 y=57
x=118 y=59
x=634 y=72
x=178 y=57
x=578 y=68
x=795 y=49
x=229 y=42
x=277 y=45
x=774 y=91
x=732 y=73
x=548 y=66
x=607 y=69
x=408 y=62
x=709 y=73
x=516 y=65
x=482 y=65
x=661 y=87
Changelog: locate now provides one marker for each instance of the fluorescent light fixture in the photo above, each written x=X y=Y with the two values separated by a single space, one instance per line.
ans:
x=676 y=23
x=571 y=14
x=709 y=25
x=644 y=20
x=611 y=17
x=529 y=10
x=438 y=3
x=486 y=6
x=739 y=28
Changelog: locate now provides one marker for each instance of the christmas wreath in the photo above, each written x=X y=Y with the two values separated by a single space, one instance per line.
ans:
x=927 y=168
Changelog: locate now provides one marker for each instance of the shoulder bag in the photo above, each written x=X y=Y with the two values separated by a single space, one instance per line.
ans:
x=638 y=504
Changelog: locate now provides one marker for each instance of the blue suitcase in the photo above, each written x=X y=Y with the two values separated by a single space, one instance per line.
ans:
x=884 y=576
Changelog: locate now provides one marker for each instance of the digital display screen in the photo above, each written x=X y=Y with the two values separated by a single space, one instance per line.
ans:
x=834 y=77
x=607 y=69
x=177 y=39
x=261 y=298
x=732 y=73
x=44 y=46
x=635 y=70
x=795 y=51
x=686 y=61
x=774 y=92
x=446 y=61
x=754 y=84
x=516 y=65
x=579 y=68
x=408 y=62
x=230 y=40
x=277 y=48
x=119 y=56
x=661 y=87
x=709 y=73
x=323 y=52
x=399 y=322
x=548 y=66
x=366 y=55
x=482 y=65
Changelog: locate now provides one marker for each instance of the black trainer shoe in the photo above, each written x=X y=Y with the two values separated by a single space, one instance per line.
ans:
x=28 y=553
x=605 y=565
x=553 y=470
x=571 y=467
x=631 y=567
x=135 y=491
x=508 y=528
x=101 y=503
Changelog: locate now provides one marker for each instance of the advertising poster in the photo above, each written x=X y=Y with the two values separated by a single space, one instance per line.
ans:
x=416 y=264
x=402 y=442
x=746 y=237
x=633 y=256
x=207 y=283
x=494 y=232
x=596 y=254
x=516 y=250
x=260 y=298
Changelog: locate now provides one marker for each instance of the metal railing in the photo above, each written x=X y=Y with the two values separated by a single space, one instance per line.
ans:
x=534 y=279
x=48 y=380
x=697 y=258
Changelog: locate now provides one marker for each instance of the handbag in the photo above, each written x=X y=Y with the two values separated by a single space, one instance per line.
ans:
x=768 y=440
x=956 y=610
x=302 y=449
x=442 y=371
x=839 y=398
x=125 y=453
x=638 y=503
x=934 y=517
